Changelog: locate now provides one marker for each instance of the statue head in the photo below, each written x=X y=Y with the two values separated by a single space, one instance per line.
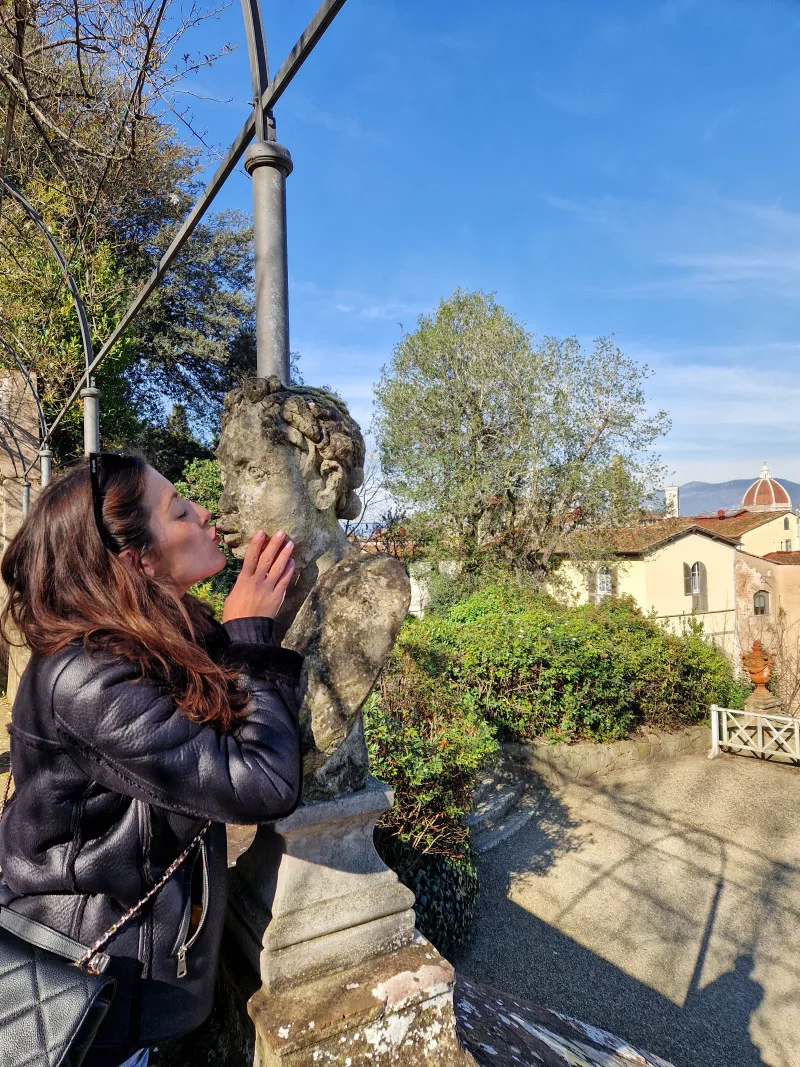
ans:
x=291 y=458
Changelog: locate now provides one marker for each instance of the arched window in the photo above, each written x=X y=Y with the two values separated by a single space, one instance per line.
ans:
x=604 y=582
x=695 y=579
x=761 y=603
x=786 y=523
x=601 y=582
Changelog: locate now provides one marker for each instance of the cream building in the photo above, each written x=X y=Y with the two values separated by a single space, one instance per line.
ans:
x=674 y=569
x=737 y=572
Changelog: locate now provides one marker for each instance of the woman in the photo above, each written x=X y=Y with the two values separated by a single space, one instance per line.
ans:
x=137 y=719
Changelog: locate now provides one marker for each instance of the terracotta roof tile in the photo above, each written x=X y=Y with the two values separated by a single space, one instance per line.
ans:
x=740 y=523
x=634 y=539
x=792 y=558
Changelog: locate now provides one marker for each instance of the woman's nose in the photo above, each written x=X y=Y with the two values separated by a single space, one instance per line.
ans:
x=204 y=515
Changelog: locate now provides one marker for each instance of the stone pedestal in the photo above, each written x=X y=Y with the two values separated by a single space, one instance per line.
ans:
x=345 y=979
x=763 y=704
x=311 y=895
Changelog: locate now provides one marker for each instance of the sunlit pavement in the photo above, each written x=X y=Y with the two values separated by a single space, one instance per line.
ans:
x=662 y=906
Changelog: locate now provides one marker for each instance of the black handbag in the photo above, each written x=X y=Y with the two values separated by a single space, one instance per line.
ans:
x=54 y=992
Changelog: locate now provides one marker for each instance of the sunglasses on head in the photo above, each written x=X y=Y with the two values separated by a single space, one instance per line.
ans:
x=102 y=467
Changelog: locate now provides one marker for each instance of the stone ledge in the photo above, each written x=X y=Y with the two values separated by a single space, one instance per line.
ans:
x=394 y=1009
x=502 y=1030
x=554 y=764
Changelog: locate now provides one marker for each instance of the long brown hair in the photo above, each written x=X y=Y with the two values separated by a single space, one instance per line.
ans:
x=64 y=585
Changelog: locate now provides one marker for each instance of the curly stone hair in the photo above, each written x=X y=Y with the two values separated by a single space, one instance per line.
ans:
x=319 y=424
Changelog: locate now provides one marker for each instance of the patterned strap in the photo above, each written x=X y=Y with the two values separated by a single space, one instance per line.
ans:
x=87 y=959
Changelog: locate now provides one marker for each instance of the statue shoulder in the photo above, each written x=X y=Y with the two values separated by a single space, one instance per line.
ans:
x=364 y=594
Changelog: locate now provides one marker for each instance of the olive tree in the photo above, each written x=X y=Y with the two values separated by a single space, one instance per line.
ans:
x=502 y=445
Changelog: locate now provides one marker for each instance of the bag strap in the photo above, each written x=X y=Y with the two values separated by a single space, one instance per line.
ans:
x=87 y=960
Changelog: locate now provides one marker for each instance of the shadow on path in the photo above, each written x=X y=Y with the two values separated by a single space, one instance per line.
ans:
x=726 y=1006
x=516 y=951
x=539 y=962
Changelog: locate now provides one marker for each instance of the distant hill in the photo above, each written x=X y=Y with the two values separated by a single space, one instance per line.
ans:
x=698 y=497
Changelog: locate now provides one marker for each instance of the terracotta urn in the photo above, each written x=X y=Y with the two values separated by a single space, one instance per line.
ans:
x=758 y=663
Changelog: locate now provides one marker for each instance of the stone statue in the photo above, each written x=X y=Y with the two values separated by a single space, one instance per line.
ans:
x=292 y=459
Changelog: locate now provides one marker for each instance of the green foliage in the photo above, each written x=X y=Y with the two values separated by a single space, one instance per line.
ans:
x=502 y=446
x=506 y=662
x=201 y=483
x=445 y=889
x=172 y=446
x=111 y=181
x=206 y=594
x=429 y=749
x=532 y=668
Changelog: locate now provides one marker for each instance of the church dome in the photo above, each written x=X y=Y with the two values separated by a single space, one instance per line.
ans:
x=765 y=494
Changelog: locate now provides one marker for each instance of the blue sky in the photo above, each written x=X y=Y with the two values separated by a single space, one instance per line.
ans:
x=625 y=166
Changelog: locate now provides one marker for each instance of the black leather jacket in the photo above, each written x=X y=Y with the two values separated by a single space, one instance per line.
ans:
x=112 y=782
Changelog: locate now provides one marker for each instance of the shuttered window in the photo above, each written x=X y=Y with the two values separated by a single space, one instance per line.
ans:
x=761 y=603
x=699 y=578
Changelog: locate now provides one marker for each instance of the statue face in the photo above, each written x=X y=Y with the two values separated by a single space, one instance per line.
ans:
x=264 y=485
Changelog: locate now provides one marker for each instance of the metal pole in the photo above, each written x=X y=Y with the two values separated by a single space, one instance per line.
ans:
x=269 y=164
x=26 y=498
x=91 y=419
x=45 y=465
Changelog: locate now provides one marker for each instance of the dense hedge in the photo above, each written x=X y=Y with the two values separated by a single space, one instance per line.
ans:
x=532 y=668
x=505 y=663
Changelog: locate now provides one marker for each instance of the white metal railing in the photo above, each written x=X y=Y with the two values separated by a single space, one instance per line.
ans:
x=761 y=733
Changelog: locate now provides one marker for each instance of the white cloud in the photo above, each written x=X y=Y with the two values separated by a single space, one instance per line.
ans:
x=578 y=103
x=306 y=110
x=360 y=305
x=703 y=246
x=350 y=369
x=731 y=408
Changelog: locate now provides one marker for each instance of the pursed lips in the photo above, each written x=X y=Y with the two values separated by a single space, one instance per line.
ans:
x=228 y=531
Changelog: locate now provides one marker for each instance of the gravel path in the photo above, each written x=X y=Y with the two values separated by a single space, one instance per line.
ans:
x=662 y=906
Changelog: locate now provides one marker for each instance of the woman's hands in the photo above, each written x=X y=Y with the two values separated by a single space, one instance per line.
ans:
x=267 y=570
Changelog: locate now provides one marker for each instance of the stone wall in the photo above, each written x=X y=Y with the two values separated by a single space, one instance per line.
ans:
x=18 y=414
x=555 y=764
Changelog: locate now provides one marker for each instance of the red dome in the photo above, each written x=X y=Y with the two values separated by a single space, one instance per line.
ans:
x=766 y=493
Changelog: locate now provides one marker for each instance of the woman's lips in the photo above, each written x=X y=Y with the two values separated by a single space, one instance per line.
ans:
x=228 y=530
